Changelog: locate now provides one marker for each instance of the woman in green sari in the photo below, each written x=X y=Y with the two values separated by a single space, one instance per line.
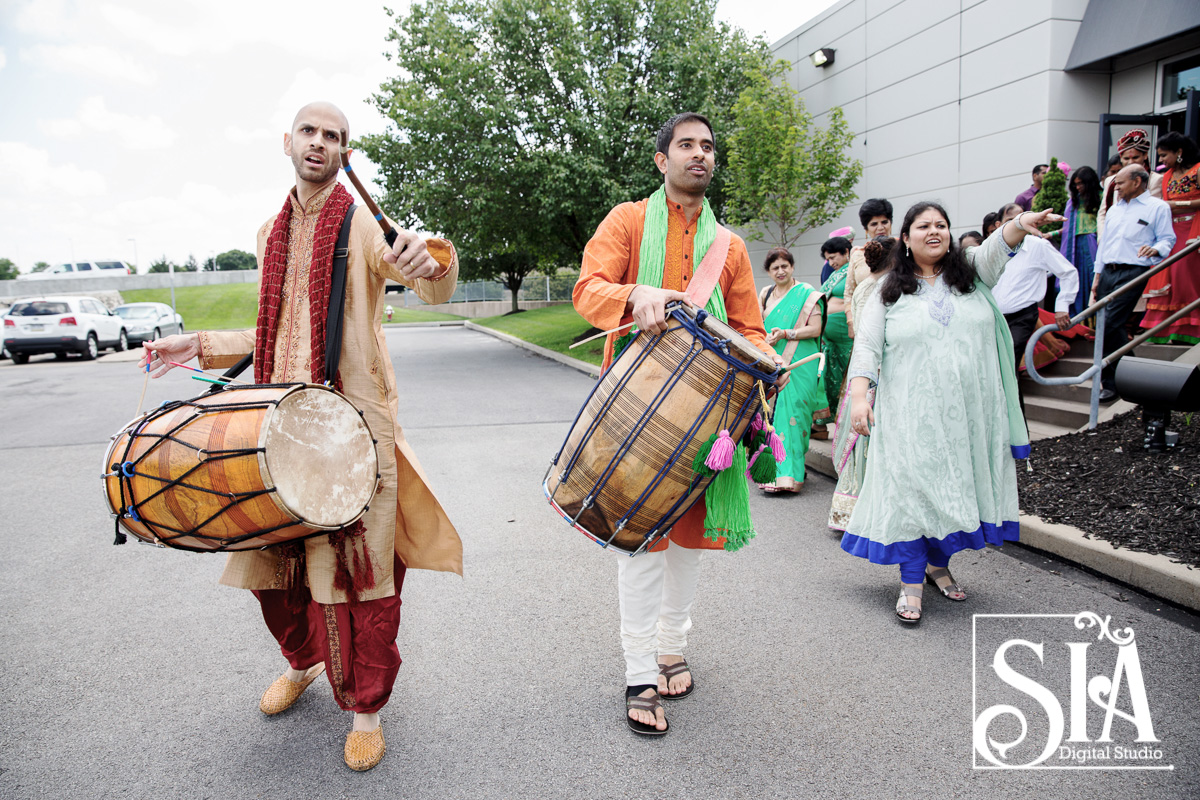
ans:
x=793 y=313
x=836 y=341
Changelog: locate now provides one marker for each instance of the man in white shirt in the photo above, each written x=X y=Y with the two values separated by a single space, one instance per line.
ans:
x=1137 y=235
x=1022 y=288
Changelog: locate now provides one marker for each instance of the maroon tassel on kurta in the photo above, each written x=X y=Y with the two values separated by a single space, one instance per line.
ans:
x=350 y=545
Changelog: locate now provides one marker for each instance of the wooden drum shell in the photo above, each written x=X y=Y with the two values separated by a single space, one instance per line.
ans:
x=235 y=419
x=698 y=393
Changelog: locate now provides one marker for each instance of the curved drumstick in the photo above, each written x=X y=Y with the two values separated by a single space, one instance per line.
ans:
x=805 y=360
x=389 y=233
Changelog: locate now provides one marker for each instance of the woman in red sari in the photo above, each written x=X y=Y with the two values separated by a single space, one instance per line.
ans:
x=1179 y=284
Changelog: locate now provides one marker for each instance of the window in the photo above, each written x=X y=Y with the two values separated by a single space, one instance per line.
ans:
x=1175 y=77
x=38 y=308
x=82 y=266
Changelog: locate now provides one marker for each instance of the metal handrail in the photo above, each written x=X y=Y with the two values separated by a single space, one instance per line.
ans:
x=1100 y=310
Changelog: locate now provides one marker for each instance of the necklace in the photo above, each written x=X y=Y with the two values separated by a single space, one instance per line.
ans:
x=774 y=292
x=936 y=272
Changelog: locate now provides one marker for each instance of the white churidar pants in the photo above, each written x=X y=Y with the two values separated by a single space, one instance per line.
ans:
x=656 y=593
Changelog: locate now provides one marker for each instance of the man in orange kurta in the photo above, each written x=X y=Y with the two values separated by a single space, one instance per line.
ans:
x=318 y=625
x=657 y=589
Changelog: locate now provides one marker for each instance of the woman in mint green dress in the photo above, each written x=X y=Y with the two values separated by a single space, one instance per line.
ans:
x=946 y=425
x=836 y=341
x=793 y=315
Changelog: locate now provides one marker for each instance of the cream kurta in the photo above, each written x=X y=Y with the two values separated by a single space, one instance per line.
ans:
x=404 y=516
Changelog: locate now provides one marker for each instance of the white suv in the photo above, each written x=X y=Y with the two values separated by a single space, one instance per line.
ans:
x=61 y=325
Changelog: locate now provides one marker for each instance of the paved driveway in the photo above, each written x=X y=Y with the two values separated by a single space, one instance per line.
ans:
x=128 y=672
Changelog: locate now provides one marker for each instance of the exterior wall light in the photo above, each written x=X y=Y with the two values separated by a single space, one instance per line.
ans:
x=823 y=57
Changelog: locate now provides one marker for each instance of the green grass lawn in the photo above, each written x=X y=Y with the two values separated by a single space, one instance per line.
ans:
x=554 y=328
x=234 y=306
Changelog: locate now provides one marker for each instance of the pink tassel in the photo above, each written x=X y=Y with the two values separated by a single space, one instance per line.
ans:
x=721 y=455
x=776 y=445
x=756 y=423
x=753 y=458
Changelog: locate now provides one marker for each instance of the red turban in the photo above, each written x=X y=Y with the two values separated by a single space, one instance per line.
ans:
x=1136 y=139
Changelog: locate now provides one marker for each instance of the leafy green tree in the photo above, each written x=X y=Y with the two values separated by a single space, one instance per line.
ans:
x=786 y=176
x=163 y=265
x=8 y=270
x=1052 y=195
x=518 y=124
x=236 y=259
x=191 y=265
x=41 y=266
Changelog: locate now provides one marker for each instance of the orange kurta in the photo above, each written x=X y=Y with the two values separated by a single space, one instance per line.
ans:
x=609 y=274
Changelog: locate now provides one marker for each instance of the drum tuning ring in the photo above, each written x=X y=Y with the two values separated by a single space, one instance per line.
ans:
x=127 y=469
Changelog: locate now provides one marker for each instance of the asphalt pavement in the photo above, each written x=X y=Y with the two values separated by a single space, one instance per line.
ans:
x=128 y=672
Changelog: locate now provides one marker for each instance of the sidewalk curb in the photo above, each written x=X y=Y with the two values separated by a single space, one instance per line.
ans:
x=582 y=366
x=1153 y=574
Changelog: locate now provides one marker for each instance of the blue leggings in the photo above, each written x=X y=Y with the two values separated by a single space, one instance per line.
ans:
x=914 y=571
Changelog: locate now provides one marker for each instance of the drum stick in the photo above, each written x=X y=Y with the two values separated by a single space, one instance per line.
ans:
x=805 y=360
x=389 y=233
x=219 y=378
x=145 y=383
x=598 y=335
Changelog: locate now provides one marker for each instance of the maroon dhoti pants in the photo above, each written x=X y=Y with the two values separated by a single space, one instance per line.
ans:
x=357 y=642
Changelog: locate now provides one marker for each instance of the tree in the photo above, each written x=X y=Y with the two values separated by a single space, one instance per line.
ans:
x=1053 y=195
x=236 y=259
x=518 y=124
x=191 y=265
x=163 y=265
x=8 y=270
x=786 y=175
x=40 y=266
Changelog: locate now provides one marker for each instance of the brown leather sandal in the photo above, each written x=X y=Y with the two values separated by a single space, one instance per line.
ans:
x=633 y=700
x=670 y=671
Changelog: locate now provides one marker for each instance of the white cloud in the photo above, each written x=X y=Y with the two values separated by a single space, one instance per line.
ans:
x=3 y=59
x=28 y=172
x=138 y=133
x=239 y=135
x=48 y=18
x=94 y=61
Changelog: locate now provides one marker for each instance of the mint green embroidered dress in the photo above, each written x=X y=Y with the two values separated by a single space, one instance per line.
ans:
x=941 y=476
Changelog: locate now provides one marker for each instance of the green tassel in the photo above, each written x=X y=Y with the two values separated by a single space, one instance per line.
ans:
x=698 y=465
x=763 y=468
x=727 y=504
x=622 y=341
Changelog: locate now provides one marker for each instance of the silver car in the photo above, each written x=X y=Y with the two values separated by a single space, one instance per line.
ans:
x=149 y=321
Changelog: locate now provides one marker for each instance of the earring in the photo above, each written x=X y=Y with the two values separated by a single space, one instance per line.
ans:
x=907 y=252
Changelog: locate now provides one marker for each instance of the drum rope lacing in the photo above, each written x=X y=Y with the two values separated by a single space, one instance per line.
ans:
x=125 y=470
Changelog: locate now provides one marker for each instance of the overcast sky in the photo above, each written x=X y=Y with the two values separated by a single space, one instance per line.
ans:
x=141 y=128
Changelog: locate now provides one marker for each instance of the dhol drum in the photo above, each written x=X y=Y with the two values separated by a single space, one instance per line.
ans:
x=243 y=468
x=624 y=474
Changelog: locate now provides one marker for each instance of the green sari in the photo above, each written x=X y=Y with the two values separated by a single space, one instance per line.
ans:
x=794 y=405
x=837 y=344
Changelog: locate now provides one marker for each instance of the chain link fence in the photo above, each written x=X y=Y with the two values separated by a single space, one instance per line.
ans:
x=535 y=287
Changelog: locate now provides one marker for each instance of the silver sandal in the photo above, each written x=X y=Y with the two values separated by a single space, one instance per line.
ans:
x=903 y=608
x=933 y=574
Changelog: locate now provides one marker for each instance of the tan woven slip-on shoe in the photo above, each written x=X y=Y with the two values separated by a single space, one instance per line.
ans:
x=364 y=749
x=281 y=694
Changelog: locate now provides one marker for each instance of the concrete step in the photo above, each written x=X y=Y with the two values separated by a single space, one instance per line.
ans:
x=1084 y=348
x=1044 y=430
x=1068 y=365
x=1053 y=411
x=1079 y=392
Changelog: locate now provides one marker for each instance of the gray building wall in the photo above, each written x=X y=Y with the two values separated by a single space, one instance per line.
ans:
x=950 y=100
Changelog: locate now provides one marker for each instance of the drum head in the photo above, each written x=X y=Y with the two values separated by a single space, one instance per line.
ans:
x=320 y=457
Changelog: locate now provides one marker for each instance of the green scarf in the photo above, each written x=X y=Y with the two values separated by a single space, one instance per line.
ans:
x=1017 y=432
x=727 y=499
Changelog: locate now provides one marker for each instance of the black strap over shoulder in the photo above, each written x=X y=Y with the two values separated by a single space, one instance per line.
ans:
x=334 y=322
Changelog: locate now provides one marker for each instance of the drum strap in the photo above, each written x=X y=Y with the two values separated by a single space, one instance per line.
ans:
x=709 y=271
x=337 y=307
x=334 y=323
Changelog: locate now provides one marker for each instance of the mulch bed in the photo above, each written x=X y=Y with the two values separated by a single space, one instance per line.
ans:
x=1107 y=485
